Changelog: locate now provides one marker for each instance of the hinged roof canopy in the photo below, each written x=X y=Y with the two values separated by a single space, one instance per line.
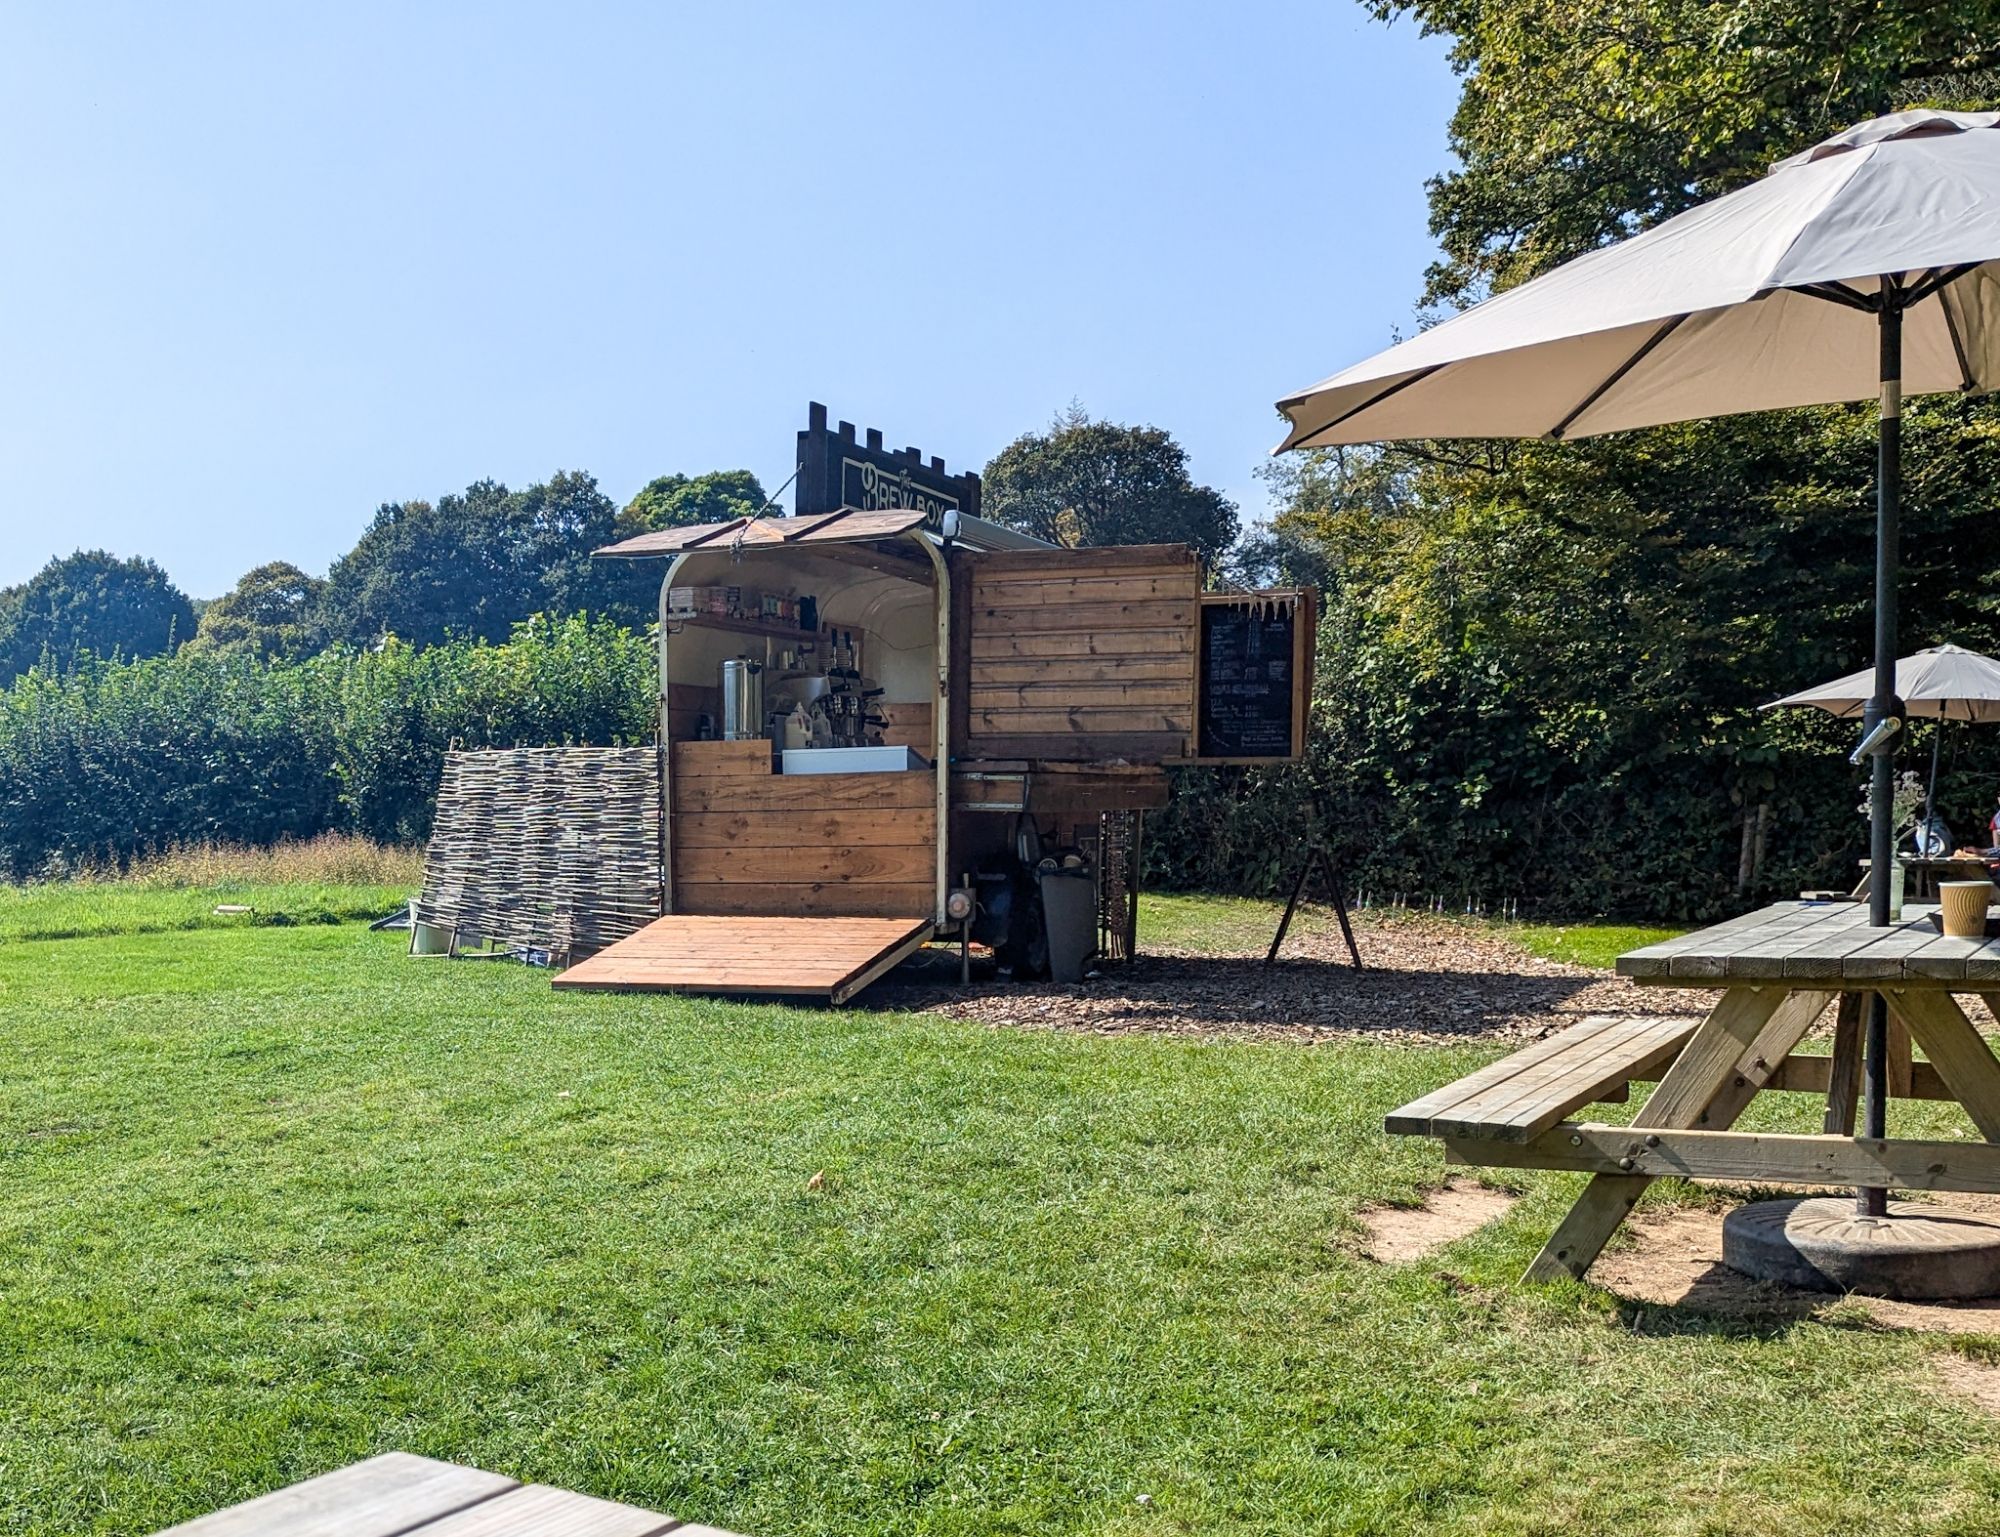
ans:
x=844 y=527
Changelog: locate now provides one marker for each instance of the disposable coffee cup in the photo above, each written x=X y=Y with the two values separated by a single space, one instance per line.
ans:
x=1962 y=907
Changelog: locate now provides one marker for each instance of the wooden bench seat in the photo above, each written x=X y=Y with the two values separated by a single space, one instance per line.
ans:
x=1521 y=1096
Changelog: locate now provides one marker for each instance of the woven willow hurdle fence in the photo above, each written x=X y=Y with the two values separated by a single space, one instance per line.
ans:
x=547 y=848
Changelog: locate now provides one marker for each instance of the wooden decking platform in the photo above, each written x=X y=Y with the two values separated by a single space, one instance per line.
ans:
x=831 y=958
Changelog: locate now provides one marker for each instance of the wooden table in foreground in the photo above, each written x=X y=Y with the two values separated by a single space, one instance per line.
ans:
x=1779 y=970
x=398 y=1495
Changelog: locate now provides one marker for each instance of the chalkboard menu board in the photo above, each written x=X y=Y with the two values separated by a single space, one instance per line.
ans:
x=1252 y=652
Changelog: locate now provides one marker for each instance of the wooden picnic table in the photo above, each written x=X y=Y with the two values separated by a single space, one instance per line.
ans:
x=400 y=1495
x=1926 y=870
x=1778 y=971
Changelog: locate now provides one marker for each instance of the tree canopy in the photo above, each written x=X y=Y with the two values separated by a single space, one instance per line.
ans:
x=1542 y=662
x=1090 y=482
x=274 y=610
x=94 y=602
x=472 y=564
x=680 y=501
x=1581 y=121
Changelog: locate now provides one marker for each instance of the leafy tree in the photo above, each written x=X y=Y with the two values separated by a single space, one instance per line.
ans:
x=679 y=501
x=629 y=590
x=272 y=611
x=1088 y=482
x=1541 y=663
x=562 y=520
x=473 y=564
x=92 y=602
x=1581 y=121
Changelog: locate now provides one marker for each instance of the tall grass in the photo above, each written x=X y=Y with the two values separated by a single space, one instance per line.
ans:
x=328 y=859
x=333 y=878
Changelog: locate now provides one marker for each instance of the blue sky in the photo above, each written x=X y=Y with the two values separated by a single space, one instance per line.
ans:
x=267 y=266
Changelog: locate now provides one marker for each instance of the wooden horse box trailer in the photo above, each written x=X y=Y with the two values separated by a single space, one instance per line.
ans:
x=1026 y=684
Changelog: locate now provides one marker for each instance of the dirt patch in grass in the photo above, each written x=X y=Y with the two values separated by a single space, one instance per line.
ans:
x=1674 y=1259
x=1426 y=980
x=1398 y=1234
x=1978 y=1380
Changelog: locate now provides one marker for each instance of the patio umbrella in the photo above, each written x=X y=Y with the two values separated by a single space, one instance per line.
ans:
x=1861 y=267
x=1936 y=683
x=1940 y=683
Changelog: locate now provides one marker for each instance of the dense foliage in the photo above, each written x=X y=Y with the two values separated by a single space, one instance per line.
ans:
x=1541 y=663
x=106 y=760
x=91 y=602
x=273 y=610
x=1582 y=121
x=472 y=564
x=680 y=501
x=1539 y=673
x=1089 y=482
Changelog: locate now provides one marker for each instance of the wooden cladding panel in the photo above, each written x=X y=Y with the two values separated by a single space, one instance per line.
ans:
x=831 y=828
x=706 y=760
x=814 y=864
x=1093 y=615
x=883 y=900
x=748 y=841
x=1109 y=719
x=805 y=793
x=997 y=672
x=1078 y=646
x=909 y=726
x=1081 y=655
x=1163 y=694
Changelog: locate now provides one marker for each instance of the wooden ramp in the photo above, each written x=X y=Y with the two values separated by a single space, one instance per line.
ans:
x=831 y=958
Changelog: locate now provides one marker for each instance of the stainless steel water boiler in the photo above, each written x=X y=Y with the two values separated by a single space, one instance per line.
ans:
x=742 y=700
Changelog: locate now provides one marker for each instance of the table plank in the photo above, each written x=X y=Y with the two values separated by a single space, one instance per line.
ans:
x=1654 y=959
x=382 y=1497
x=538 y=1510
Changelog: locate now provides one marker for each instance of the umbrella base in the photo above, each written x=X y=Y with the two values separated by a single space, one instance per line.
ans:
x=1916 y=1253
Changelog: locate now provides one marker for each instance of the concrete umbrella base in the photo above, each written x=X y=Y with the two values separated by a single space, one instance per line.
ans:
x=1916 y=1253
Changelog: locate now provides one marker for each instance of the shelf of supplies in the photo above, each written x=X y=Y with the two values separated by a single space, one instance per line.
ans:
x=776 y=629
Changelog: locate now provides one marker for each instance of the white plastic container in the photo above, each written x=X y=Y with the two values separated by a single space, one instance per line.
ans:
x=851 y=760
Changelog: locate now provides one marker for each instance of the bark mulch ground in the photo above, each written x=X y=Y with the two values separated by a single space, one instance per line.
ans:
x=1427 y=980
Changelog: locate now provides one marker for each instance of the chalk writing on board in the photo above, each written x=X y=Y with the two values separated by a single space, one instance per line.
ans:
x=1248 y=656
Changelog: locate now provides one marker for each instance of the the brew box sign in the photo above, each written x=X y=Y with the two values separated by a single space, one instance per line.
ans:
x=1249 y=678
x=839 y=470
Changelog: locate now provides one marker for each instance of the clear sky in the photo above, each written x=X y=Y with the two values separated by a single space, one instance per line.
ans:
x=266 y=266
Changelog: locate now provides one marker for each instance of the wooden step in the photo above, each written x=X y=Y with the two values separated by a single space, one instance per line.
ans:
x=831 y=958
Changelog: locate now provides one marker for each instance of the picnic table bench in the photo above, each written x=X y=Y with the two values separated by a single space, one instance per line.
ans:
x=400 y=1495
x=1779 y=970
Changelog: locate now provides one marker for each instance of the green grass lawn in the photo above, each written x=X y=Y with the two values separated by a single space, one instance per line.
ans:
x=78 y=909
x=274 y=1199
x=1586 y=943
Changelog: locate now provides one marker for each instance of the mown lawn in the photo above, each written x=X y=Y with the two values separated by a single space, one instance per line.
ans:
x=77 y=909
x=273 y=1199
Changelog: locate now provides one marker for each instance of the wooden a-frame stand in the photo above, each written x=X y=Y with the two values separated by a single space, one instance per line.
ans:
x=1317 y=858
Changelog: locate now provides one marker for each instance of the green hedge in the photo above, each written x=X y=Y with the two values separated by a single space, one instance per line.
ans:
x=1461 y=785
x=109 y=759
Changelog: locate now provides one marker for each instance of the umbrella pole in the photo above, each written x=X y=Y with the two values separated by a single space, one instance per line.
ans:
x=1930 y=795
x=1883 y=707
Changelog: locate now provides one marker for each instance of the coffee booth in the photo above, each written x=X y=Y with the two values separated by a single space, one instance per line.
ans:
x=885 y=710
